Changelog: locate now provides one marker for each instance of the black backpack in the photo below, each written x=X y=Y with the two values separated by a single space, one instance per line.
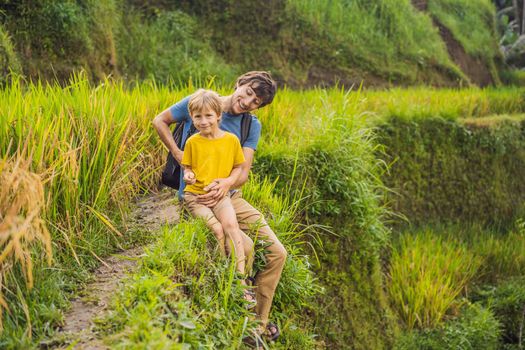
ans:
x=171 y=172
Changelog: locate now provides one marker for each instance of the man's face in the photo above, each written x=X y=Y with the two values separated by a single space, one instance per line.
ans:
x=244 y=99
x=206 y=120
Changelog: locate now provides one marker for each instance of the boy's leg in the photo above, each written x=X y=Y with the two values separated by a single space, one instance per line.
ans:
x=267 y=279
x=202 y=211
x=226 y=215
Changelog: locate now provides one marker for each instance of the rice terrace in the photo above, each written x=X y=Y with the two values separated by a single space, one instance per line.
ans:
x=376 y=199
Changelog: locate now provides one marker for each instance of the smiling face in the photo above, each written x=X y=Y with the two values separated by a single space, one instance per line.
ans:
x=206 y=121
x=244 y=99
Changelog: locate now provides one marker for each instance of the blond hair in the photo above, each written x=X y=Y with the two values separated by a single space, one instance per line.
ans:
x=204 y=99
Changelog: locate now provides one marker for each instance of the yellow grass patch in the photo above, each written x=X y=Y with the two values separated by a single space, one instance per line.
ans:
x=21 y=225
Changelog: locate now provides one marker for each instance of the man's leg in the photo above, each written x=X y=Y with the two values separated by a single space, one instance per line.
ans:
x=266 y=280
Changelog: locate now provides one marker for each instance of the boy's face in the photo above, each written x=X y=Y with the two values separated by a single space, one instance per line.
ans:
x=244 y=99
x=205 y=120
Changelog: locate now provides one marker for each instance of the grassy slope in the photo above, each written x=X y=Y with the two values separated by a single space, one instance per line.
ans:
x=303 y=42
x=93 y=143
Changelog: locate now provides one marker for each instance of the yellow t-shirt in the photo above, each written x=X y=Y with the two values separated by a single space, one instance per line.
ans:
x=211 y=159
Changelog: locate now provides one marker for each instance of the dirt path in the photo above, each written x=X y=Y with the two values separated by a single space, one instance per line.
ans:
x=78 y=331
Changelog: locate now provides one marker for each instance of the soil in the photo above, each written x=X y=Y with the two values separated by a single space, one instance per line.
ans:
x=78 y=330
x=475 y=69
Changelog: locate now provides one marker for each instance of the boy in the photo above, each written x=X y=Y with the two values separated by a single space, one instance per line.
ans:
x=210 y=154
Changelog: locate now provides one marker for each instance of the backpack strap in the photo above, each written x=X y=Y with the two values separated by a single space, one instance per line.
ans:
x=192 y=130
x=246 y=123
x=177 y=133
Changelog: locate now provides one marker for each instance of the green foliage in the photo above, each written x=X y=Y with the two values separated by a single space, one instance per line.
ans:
x=77 y=138
x=452 y=104
x=507 y=300
x=167 y=46
x=515 y=77
x=8 y=60
x=335 y=169
x=303 y=42
x=52 y=38
x=450 y=171
x=476 y=328
x=499 y=257
x=500 y=253
x=388 y=38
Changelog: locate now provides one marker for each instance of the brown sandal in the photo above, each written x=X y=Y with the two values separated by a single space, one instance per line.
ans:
x=272 y=335
x=249 y=298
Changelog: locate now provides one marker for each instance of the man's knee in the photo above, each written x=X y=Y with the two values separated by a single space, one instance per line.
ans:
x=277 y=254
x=280 y=252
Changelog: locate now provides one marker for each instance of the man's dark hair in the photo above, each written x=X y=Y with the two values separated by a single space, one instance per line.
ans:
x=262 y=83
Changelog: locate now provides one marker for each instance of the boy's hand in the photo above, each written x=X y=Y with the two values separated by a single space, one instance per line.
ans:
x=189 y=177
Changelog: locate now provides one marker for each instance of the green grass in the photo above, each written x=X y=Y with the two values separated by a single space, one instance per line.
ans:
x=427 y=277
x=167 y=47
x=483 y=266
x=186 y=294
x=389 y=38
x=96 y=150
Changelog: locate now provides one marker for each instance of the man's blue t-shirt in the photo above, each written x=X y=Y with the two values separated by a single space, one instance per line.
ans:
x=229 y=122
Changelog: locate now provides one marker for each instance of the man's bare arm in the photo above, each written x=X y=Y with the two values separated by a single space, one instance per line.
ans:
x=162 y=124
x=245 y=168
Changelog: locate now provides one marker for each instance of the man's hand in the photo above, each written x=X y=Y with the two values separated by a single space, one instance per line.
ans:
x=216 y=190
x=189 y=177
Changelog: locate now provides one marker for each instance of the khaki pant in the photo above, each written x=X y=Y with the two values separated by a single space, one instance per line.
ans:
x=252 y=221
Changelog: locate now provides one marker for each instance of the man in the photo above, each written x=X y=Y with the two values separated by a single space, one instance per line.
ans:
x=253 y=90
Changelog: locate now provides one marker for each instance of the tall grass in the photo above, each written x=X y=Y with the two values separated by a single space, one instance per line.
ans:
x=96 y=150
x=427 y=276
x=297 y=117
x=22 y=225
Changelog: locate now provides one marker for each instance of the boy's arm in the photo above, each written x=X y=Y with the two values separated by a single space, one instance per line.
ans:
x=162 y=124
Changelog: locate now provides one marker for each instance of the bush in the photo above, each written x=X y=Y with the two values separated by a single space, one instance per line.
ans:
x=507 y=302
x=476 y=328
